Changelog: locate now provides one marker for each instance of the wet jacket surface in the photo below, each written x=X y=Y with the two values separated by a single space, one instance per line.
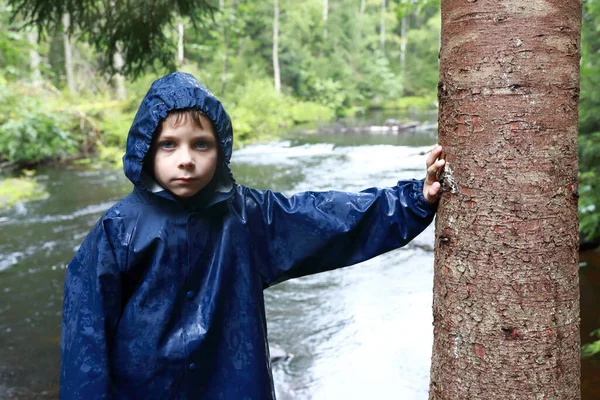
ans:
x=164 y=299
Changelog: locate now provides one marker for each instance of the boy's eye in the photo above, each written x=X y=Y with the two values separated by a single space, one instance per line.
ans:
x=167 y=144
x=201 y=144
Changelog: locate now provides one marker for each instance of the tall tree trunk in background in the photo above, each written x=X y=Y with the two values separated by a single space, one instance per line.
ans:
x=224 y=33
x=34 y=57
x=180 y=50
x=66 y=21
x=118 y=79
x=382 y=26
x=403 y=42
x=325 y=16
x=506 y=298
x=276 y=77
x=361 y=14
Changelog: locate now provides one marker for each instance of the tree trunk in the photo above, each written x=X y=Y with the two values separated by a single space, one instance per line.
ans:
x=325 y=17
x=506 y=298
x=180 y=52
x=403 y=42
x=382 y=26
x=225 y=35
x=34 y=57
x=276 y=77
x=118 y=79
x=66 y=21
x=359 y=30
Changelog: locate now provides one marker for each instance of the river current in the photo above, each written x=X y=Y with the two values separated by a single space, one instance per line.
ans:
x=359 y=332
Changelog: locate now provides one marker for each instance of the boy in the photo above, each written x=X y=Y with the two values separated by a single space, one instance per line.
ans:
x=164 y=298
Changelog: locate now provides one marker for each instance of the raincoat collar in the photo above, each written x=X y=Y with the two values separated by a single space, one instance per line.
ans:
x=176 y=91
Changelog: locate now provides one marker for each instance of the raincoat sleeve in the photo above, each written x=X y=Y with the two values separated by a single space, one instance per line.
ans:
x=92 y=306
x=312 y=232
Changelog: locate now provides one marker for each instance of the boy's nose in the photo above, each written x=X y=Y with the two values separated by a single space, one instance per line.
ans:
x=186 y=161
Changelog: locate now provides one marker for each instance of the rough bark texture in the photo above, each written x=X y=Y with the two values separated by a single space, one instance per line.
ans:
x=506 y=295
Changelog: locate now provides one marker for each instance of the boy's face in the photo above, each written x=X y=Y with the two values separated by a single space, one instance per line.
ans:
x=185 y=156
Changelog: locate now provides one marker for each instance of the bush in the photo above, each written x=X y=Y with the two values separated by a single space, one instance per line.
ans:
x=591 y=349
x=589 y=185
x=259 y=113
x=28 y=131
x=412 y=103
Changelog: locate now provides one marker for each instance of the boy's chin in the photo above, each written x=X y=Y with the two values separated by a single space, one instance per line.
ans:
x=185 y=194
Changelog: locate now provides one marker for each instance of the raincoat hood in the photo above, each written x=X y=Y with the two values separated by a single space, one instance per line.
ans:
x=176 y=91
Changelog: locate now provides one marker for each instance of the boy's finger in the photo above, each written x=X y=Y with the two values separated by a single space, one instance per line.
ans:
x=434 y=189
x=435 y=153
x=432 y=192
x=433 y=170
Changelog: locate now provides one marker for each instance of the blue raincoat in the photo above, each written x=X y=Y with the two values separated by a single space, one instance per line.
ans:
x=164 y=298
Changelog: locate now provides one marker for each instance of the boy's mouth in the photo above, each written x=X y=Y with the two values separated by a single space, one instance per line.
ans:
x=184 y=180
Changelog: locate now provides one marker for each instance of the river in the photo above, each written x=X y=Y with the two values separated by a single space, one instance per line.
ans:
x=355 y=333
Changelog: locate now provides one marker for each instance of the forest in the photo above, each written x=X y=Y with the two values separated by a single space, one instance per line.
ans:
x=69 y=90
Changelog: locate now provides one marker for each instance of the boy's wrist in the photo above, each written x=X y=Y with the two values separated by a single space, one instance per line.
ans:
x=420 y=200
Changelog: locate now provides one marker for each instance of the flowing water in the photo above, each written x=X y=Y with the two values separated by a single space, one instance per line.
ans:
x=355 y=333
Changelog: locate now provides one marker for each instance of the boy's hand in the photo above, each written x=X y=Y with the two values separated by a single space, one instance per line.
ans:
x=431 y=188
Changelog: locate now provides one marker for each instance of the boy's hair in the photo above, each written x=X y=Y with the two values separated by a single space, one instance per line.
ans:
x=177 y=118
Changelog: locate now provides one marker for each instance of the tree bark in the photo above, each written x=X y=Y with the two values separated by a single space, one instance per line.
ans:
x=276 y=76
x=118 y=79
x=34 y=57
x=180 y=49
x=506 y=297
x=359 y=30
x=403 y=42
x=382 y=25
x=325 y=17
x=66 y=21
x=225 y=35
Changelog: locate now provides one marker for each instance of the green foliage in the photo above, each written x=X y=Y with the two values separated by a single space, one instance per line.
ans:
x=29 y=132
x=111 y=156
x=589 y=122
x=12 y=44
x=591 y=349
x=136 y=27
x=589 y=185
x=114 y=125
x=422 y=70
x=412 y=103
x=589 y=117
x=13 y=190
x=259 y=113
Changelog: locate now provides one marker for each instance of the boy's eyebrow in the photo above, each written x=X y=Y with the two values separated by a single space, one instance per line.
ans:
x=203 y=135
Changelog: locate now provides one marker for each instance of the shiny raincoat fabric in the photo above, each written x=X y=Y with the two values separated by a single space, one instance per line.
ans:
x=164 y=298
